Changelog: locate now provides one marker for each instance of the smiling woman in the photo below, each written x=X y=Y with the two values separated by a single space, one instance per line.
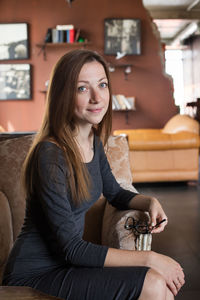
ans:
x=92 y=97
x=65 y=173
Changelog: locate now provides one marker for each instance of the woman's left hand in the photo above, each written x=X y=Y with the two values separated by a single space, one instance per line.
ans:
x=157 y=214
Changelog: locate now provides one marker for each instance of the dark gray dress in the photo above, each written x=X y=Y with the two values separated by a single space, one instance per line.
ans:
x=50 y=254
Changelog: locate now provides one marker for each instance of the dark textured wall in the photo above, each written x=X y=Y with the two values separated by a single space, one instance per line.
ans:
x=152 y=89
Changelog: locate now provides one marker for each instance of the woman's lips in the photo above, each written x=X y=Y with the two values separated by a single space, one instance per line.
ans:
x=96 y=110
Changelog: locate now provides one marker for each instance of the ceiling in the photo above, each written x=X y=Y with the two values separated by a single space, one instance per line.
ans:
x=176 y=20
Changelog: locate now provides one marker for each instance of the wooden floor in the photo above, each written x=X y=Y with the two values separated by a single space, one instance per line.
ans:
x=181 y=238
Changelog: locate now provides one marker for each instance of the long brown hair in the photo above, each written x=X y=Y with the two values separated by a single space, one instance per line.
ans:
x=58 y=122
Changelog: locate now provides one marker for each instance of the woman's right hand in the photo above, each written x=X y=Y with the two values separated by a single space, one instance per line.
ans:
x=169 y=269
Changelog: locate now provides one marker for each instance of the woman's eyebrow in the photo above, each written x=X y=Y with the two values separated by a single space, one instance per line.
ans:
x=86 y=81
x=103 y=79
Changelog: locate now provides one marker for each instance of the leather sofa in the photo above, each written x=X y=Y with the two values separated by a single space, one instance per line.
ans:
x=167 y=154
x=104 y=224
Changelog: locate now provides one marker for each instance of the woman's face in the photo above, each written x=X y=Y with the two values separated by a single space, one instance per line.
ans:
x=92 y=95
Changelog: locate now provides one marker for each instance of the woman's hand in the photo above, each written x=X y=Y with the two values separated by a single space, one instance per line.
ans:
x=152 y=205
x=170 y=270
x=157 y=214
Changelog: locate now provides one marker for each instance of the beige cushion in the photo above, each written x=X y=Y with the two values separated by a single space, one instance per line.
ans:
x=117 y=153
x=181 y=123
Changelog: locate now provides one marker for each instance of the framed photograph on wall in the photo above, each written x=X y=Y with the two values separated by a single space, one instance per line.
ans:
x=122 y=35
x=15 y=81
x=14 y=41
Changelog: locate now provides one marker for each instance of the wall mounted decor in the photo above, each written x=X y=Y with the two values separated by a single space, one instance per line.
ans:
x=15 y=81
x=14 y=41
x=122 y=36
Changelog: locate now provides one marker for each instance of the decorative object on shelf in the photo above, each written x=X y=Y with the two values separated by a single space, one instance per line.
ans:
x=120 y=55
x=14 y=41
x=122 y=35
x=15 y=81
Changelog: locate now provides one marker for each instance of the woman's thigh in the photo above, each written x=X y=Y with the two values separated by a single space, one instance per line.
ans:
x=94 y=283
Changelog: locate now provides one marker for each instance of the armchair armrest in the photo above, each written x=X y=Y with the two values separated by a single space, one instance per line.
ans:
x=115 y=235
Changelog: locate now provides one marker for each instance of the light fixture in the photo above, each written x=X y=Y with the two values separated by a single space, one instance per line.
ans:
x=69 y=2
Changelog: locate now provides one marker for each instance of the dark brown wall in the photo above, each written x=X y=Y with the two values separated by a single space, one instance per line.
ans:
x=153 y=90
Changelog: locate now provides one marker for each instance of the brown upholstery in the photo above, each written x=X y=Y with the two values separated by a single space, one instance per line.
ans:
x=12 y=205
x=167 y=154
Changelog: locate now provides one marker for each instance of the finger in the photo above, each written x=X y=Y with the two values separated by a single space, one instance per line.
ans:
x=153 y=220
x=182 y=281
x=181 y=277
x=160 y=227
x=172 y=288
x=177 y=284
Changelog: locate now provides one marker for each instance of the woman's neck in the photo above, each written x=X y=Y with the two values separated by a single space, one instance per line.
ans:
x=85 y=140
x=84 y=133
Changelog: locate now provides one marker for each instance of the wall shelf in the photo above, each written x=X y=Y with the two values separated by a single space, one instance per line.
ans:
x=43 y=47
x=126 y=111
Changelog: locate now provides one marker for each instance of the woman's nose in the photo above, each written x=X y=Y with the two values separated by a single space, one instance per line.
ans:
x=95 y=96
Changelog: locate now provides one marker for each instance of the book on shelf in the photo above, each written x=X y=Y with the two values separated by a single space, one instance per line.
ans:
x=120 y=102
x=63 y=34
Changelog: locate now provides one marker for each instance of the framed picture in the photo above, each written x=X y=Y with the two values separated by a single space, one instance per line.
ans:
x=122 y=35
x=15 y=81
x=14 y=41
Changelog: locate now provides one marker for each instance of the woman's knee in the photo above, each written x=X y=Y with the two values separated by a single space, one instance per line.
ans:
x=154 y=286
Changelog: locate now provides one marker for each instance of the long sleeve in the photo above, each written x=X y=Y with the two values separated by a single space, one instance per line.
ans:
x=114 y=193
x=64 y=223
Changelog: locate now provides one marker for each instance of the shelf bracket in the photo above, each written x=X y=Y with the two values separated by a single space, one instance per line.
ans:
x=43 y=49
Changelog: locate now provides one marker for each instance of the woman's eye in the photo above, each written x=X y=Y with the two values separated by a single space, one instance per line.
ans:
x=81 y=89
x=103 y=84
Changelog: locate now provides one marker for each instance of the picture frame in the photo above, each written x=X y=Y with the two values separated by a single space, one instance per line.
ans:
x=14 y=41
x=15 y=81
x=123 y=36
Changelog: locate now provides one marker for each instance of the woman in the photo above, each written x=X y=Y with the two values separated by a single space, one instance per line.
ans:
x=65 y=172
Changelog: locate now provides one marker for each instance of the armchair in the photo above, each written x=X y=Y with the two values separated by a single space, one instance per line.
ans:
x=167 y=154
x=104 y=224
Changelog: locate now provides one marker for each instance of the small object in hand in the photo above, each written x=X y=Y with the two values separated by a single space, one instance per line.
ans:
x=157 y=224
x=140 y=226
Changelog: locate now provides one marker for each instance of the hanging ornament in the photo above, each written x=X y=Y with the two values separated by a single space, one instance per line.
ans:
x=69 y=2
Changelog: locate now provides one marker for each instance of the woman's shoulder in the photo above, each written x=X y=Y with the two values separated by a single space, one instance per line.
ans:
x=49 y=151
